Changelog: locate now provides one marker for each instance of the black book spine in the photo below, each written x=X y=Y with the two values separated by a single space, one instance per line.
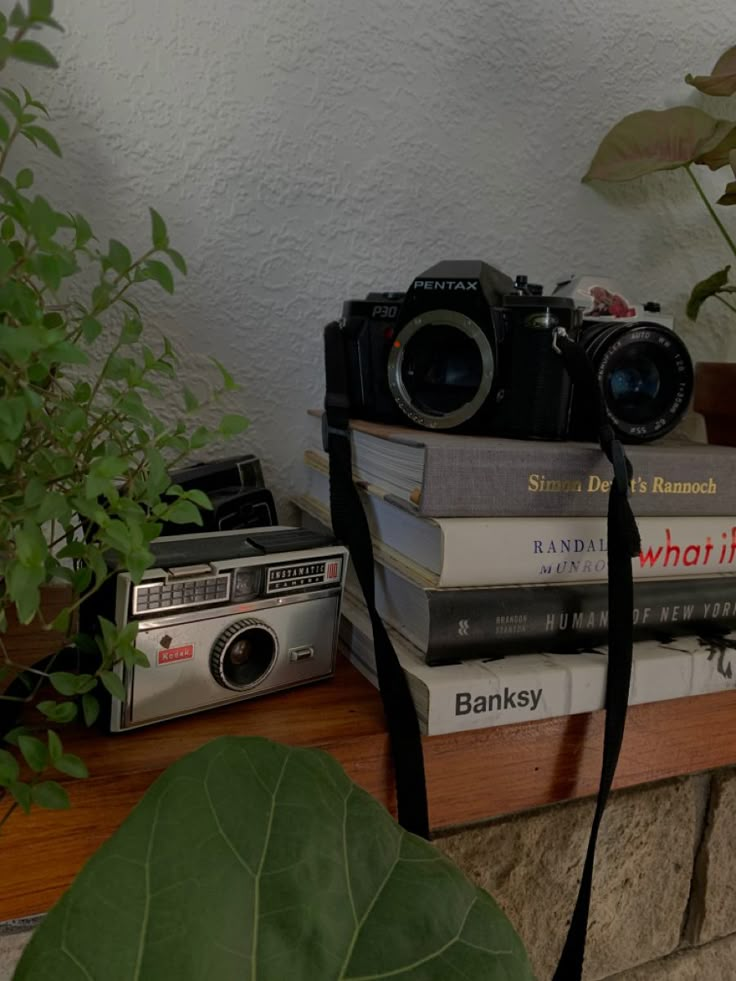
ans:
x=488 y=623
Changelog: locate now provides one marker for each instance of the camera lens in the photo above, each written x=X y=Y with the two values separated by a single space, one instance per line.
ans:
x=440 y=369
x=645 y=374
x=243 y=654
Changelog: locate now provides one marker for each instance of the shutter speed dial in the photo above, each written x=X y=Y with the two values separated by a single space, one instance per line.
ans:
x=243 y=654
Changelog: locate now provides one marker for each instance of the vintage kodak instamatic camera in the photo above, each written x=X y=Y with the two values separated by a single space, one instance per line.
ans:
x=228 y=616
x=467 y=349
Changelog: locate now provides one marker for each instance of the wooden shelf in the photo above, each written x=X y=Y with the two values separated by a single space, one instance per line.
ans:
x=471 y=776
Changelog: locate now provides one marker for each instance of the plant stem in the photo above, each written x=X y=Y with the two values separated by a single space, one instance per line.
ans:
x=7 y=814
x=709 y=206
x=725 y=302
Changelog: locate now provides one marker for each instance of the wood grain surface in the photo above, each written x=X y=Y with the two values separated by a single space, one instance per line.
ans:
x=471 y=776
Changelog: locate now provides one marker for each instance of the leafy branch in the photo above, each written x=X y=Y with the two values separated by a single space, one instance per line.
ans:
x=85 y=456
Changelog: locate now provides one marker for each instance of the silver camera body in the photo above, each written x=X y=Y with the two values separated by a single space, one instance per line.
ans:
x=228 y=616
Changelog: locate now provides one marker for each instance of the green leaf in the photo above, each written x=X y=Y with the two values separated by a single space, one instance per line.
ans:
x=12 y=416
x=40 y=9
x=48 y=269
x=9 y=769
x=705 y=288
x=41 y=135
x=21 y=792
x=652 y=140
x=158 y=271
x=34 y=752
x=83 y=232
x=191 y=402
x=131 y=331
x=227 y=379
x=91 y=329
x=61 y=621
x=4 y=129
x=72 y=766
x=108 y=466
x=24 y=179
x=159 y=234
x=722 y=79
x=30 y=545
x=7 y=229
x=200 y=437
x=119 y=256
x=729 y=195
x=199 y=498
x=183 y=513
x=64 y=682
x=114 y=685
x=50 y=795
x=33 y=52
x=276 y=827
x=177 y=260
x=231 y=424
x=90 y=709
x=61 y=712
x=117 y=535
x=13 y=735
x=55 y=746
x=7 y=259
x=23 y=583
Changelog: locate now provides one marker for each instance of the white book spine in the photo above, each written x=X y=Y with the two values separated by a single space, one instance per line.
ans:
x=467 y=552
x=481 y=694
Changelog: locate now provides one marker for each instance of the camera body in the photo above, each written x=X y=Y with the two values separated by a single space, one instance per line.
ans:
x=226 y=617
x=467 y=349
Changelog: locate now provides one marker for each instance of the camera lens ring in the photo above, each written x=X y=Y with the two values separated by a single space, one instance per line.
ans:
x=259 y=662
x=398 y=387
x=606 y=344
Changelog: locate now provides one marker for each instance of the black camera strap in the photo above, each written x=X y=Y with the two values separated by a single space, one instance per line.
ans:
x=623 y=545
x=350 y=525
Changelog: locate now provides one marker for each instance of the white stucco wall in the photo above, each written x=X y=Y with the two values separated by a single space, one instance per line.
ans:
x=309 y=150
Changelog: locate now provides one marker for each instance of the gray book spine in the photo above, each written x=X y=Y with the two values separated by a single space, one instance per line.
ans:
x=572 y=479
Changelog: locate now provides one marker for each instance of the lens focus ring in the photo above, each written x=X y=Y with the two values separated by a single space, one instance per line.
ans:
x=243 y=654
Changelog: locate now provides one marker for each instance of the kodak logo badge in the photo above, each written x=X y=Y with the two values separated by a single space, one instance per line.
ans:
x=176 y=654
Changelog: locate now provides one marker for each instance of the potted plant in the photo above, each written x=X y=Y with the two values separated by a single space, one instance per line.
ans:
x=249 y=859
x=84 y=453
x=686 y=137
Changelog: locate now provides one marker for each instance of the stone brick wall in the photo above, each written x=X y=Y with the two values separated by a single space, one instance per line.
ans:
x=664 y=893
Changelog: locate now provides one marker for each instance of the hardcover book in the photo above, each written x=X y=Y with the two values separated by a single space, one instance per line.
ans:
x=454 y=624
x=501 y=551
x=479 y=694
x=448 y=475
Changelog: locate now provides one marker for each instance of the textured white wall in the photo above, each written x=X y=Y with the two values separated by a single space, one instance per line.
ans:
x=304 y=151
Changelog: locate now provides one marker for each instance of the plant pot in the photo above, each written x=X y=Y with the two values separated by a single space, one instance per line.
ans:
x=715 y=400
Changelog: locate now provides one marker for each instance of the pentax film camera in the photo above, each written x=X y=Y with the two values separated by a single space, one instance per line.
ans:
x=468 y=349
x=227 y=616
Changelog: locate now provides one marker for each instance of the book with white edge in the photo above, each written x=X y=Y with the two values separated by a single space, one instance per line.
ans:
x=502 y=551
x=481 y=694
x=447 y=474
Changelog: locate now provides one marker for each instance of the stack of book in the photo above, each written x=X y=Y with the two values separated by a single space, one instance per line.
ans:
x=490 y=551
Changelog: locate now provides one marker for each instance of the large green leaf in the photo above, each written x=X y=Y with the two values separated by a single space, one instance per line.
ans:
x=250 y=861
x=653 y=140
x=722 y=80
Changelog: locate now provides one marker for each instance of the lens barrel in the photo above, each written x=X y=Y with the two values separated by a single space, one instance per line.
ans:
x=645 y=375
x=243 y=654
